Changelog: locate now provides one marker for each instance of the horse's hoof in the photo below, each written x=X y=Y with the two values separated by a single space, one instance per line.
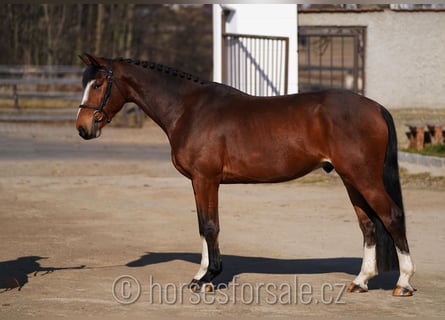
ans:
x=195 y=286
x=198 y=286
x=208 y=287
x=356 y=288
x=403 y=292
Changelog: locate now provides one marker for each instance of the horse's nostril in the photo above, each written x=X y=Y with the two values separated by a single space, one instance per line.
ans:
x=83 y=133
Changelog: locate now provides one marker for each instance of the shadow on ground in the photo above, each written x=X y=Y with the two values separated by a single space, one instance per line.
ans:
x=15 y=273
x=236 y=265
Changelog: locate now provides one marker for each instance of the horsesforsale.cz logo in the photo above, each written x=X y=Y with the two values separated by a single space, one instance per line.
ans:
x=127 y=289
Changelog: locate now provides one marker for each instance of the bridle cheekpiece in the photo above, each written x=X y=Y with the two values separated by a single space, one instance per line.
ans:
x=99 y=112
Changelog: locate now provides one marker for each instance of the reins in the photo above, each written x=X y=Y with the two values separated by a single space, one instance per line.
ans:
x=99 y=113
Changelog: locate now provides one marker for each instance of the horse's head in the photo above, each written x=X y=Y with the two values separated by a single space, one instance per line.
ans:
x=102 y=96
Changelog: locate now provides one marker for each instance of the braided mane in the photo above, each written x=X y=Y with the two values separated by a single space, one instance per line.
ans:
x=164 y=69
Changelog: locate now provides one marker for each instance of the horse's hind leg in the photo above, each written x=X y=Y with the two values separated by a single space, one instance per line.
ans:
x=393 y=219
x=369 y=263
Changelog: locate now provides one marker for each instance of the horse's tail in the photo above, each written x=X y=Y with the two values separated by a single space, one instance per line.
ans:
x=385 y=248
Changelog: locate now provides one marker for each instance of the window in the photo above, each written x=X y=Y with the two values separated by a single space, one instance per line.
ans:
x=331 y=57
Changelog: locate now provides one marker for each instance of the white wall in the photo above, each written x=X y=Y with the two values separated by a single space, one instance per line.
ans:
x=405 y=55
x=259 y=19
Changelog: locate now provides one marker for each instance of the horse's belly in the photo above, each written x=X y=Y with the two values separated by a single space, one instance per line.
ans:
x=266 y=168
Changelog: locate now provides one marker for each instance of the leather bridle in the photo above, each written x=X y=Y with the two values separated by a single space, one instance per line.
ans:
x=99 y=111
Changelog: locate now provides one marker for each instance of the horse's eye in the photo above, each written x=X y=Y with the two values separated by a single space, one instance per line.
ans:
x=96 y=86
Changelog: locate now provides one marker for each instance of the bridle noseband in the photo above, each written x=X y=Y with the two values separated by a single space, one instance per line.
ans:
x=99 y=112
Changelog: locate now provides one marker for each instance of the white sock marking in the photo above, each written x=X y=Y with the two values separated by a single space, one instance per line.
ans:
x=369 y=267
x=407 y=269
x=204 y=260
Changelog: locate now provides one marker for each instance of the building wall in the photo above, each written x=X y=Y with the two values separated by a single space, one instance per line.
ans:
x=405 y=54
x=259 y=19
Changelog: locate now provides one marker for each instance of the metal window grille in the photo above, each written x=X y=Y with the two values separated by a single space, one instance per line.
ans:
x=331 y=57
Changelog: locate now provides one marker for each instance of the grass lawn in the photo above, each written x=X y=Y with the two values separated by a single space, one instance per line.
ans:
x=430 y=150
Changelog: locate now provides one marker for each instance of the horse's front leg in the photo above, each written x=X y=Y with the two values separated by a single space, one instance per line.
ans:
x=206 y=196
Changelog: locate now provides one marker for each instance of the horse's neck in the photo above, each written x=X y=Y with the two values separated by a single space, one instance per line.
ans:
x=161 y=96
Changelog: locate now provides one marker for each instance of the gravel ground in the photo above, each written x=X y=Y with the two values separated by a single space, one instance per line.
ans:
x=80 y=217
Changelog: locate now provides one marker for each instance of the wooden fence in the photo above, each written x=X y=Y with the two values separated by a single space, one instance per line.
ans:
x=18 y=83
x=40 y=82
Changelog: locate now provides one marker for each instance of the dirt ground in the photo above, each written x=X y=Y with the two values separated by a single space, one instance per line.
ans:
x=85 y=224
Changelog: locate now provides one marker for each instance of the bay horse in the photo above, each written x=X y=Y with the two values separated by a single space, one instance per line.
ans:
x=221 y=135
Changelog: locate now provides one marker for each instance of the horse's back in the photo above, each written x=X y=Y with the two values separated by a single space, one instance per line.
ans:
x=309 y=118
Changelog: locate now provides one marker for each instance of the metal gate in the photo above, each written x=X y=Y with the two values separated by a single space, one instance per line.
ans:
x=256 y=65
x=331 y=57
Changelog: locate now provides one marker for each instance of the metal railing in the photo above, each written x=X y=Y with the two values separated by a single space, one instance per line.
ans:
x=257 y=65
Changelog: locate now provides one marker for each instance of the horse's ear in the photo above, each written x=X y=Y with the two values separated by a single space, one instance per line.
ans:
x=89 y=60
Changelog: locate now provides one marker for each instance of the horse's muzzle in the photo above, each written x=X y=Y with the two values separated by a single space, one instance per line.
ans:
x=84 y=134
